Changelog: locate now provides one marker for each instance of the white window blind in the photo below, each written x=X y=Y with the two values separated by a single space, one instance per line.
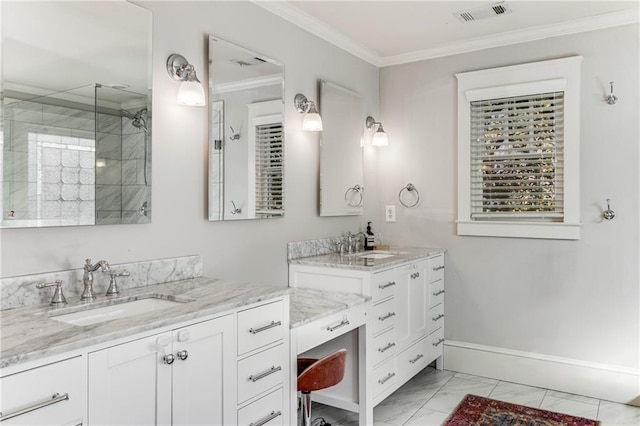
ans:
x=517 y=154
x=269 y=170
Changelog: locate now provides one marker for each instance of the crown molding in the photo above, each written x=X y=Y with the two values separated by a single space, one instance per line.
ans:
x=326 y=32
x=592 y=23
x=310 y=24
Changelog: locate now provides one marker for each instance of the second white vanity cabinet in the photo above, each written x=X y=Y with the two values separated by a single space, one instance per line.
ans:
x=176 y=377
x=405 y=326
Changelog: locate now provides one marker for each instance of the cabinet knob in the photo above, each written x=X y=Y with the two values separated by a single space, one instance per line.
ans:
x=183 y=354
x=168 y=359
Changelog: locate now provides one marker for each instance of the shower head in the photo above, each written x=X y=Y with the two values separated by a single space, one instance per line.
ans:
x=136 y=119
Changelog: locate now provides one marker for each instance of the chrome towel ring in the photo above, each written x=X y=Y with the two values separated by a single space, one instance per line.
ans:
x=410 y=189
x=357 y=193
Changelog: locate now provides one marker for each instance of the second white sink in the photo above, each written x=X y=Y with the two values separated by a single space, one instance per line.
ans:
x=120 y=310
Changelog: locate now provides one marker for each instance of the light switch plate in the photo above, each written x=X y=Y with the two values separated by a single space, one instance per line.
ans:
x=389 y=213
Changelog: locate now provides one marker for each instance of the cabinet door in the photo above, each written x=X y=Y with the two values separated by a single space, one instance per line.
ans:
x=207 y=369
x=129 y=384
x=419 y=321
x=412 y=303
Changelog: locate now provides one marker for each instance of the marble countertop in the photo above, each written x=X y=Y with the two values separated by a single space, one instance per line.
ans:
x=355 y=262
x=29 y=333
x=310 y=304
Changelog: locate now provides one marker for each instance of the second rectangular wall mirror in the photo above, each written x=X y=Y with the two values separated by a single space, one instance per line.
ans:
x=76 y=114
x=341 y=155
x=246 y=134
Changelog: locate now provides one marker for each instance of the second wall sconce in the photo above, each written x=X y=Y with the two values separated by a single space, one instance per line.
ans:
x=379 y=137
x=312 y=121
x=191 y=91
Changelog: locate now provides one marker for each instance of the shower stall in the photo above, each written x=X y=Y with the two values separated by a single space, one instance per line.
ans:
x=77 y=157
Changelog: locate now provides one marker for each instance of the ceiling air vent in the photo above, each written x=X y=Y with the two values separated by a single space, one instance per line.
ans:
x=483 y=12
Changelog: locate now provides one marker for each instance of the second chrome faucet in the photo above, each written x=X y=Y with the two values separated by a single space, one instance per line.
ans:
x=87 y=278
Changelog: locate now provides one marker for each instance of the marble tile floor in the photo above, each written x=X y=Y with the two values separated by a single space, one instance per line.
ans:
x=432 y=395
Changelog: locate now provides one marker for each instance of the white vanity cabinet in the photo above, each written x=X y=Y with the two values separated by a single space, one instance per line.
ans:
x=176 y=377
x=405 y=325
x=52 y=394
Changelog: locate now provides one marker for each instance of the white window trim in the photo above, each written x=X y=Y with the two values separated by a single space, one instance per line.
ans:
x=536 y=77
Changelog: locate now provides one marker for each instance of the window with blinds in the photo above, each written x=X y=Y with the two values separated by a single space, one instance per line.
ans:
x=517 y=158
x=269 y=170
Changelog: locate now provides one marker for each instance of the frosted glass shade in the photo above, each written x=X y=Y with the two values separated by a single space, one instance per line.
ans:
x=312 y=122
x=191 y=93
x=380 y=139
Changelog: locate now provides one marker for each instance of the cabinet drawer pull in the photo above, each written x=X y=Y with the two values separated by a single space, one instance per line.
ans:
x=438 y=342
x=270 y=371
x=386 y=317
x=342 y=324
x=183 y=354
x=436 y=318
x=415 y=275
x=266 y=327
x=437 y=268
x=386 y=378
x=267 y=419
x=439 y=292
x=53 y=400
x=386 y=348
x=389 y=284
x=413 y=361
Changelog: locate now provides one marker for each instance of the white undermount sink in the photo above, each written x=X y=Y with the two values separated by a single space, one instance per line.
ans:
x=378 y=254
x=88 y=315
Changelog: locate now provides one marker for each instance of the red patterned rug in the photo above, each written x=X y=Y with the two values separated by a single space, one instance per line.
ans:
x=479 y=411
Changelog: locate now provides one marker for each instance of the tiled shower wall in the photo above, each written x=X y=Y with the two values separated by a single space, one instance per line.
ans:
x=49 y=161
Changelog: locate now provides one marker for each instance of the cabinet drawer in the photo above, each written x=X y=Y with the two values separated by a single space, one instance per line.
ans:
x=436 y=317
x=383 y=377
x=260 y=326
x=385 y=284
x=37 y=387
x=322 y=330
x=384 y=346
x=383 y=315
x=437 y=293
x=436 y=268
x=268 y=410
x=260 y=372
x=436 y=343
x=413 y=359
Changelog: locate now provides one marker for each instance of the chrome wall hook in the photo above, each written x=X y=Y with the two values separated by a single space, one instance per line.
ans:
x=611 y=99
x=608 y=213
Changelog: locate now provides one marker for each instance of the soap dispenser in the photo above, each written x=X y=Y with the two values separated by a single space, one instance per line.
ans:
x=369 y=240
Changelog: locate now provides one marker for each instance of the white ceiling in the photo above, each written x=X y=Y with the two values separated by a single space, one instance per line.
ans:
x=393 y=32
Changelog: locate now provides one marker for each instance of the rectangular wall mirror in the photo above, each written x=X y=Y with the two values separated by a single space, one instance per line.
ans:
x=341 y=151
x=246 y=134
x=76 y=114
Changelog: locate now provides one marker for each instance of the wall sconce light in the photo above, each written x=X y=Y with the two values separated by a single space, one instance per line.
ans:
x=611 y=99
x=191 y=91
x=312 y=121
x=379 y=137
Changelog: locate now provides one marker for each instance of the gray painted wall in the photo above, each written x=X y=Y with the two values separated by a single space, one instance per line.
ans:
x=573 y=299
x=245 y=250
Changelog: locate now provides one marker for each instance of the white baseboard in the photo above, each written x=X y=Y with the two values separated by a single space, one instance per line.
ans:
x=602 y=381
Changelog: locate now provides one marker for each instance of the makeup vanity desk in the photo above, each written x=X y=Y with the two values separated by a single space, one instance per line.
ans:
x=318 y=317
x=394 y=334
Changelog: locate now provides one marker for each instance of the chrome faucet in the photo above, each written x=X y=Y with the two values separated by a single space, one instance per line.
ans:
x=353 y=243
x=87 y=278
